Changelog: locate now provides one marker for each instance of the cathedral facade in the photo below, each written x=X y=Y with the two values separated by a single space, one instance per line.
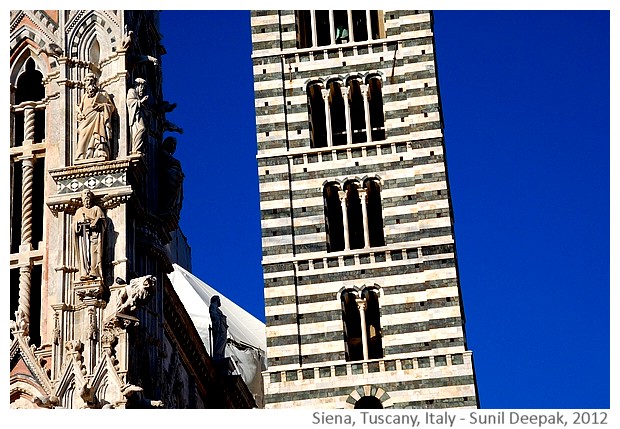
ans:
x=362 y=295
x=96 y=196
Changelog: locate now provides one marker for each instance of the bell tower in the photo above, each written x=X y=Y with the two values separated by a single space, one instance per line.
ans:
x=362 y=295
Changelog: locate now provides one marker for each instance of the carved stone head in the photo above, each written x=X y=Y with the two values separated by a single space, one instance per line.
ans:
x=87 y=198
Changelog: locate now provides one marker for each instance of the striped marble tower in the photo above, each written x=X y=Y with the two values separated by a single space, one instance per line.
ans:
x=362 y=295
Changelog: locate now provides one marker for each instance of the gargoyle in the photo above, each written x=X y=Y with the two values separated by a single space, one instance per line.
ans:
x=135 y=294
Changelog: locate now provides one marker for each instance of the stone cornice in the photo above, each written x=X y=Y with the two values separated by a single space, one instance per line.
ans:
x=85 y=170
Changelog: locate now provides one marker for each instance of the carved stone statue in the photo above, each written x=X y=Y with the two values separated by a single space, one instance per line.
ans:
x=94 y=115
x=136 y=293
x=172 y=178
x=138 y=114
x=219 y=326
x=89 y=224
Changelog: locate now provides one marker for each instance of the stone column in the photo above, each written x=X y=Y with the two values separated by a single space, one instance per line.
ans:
x=361 y=306
x=25 y=271
x=328 y=118
x=364 y=89
x=345 y=219
x=332 y=30
x=363 y=198
x=27 y=183
x=29 y=124
x=313 y=25
x=368 y=25
x=350 y=17
x=347 y=111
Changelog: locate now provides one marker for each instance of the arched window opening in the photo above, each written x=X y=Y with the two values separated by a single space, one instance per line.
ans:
x=368 y=403
x=360 y=27
x=303 y=22
x=323 y=34
x=29 y=87
x=374 y=213
x=356 y=106
x=354 y=216
x=341 y=24
x=337 y=114
x=375 y=105
x=352 y=327
x=373 y=325
x=333 y=218
x=316 y=106
x=29 y=84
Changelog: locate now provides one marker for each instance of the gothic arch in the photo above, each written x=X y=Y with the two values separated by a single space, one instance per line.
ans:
x=27 y=50
x=369 y=390
x=88 y=26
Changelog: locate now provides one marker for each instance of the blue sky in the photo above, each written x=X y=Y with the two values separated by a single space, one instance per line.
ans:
x=526 y=98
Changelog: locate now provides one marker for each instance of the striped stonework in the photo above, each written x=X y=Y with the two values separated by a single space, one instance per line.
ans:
x=322 y=205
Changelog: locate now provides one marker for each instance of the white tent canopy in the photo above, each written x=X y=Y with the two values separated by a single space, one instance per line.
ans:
x=247 y=344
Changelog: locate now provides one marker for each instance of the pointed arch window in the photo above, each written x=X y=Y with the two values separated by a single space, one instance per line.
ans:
x=361 y=324
x=27 y=189
x=29 y=87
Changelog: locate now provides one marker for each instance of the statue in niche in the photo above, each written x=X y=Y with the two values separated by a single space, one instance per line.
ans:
x=219 y=327
x=173 y=176
x=138 y=114
x=94 y=115
x=89 y=226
